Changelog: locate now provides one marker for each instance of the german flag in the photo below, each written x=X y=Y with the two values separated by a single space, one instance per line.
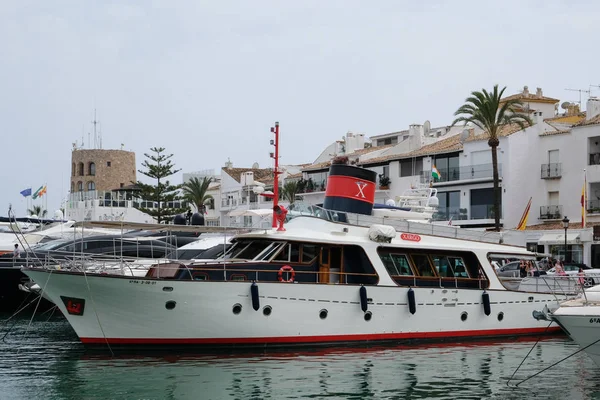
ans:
x=523 y=222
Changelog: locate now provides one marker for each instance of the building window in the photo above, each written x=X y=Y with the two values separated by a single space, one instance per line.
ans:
x=80 y=169
x=91 y=186
x=448 y=168
x=92 y=168
x=412 y=167
x=72 y=187
x=482 y=204
x=108 y=163
x=80 y=186
x=386 y=171
x=121 y=184
x=449 y=206
x=73 y=169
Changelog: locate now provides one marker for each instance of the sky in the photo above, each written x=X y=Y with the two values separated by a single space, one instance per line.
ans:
x=207 y=79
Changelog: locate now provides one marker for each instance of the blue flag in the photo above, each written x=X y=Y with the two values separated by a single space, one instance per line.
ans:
x=26 y=192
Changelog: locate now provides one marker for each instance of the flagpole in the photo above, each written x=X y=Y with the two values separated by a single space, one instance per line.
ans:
x=584 y=205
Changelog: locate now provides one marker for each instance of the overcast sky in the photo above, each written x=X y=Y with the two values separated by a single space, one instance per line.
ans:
x=206 y=79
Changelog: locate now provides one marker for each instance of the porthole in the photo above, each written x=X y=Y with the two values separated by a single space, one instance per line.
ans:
x=169 y=305
x=463 y=316
x=500 y=316
x=167 y=289
x=323 y=314
x=237 y=308
x=267 y=311
x=368 y=316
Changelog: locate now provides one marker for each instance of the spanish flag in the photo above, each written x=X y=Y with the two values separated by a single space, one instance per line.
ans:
x=523 y=222
x=583 y=201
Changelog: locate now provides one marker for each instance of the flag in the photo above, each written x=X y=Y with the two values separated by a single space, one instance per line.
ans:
x=450 y=220
x=42 y=192
x=523 y=222
x=26 y=192
x=37 y=193
x=583 y=201
x=435 y=174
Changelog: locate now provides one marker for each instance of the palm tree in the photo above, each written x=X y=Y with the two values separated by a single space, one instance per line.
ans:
x=37 y=210
x=289 y=191
x=489 y=112
x=195 y=190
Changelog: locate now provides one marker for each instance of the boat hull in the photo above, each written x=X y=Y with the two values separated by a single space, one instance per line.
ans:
x=135 y=311
x=582 y=324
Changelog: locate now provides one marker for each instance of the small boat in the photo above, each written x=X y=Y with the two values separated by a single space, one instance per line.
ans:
x=313 y=280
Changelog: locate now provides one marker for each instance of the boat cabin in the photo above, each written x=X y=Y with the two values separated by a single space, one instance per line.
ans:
x=290 y=261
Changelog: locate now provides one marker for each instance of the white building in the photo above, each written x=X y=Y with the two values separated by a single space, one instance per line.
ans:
x=544 y=162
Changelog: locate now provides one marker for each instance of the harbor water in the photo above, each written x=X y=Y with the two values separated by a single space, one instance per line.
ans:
x=43 y=359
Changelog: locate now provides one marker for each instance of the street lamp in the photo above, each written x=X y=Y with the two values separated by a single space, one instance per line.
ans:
x=565 y=223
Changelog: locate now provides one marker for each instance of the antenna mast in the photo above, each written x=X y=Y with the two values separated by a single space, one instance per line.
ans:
x=95 y=122
x=580 y=91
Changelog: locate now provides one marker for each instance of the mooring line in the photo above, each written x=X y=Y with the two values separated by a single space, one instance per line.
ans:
x=528 y=353
x=558 y=362
x=36 y=306
x=96 y=313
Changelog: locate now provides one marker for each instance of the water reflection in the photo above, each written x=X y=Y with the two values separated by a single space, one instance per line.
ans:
x=47 y=361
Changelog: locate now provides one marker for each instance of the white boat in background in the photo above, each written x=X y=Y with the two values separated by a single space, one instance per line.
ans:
x=321 y=279
x=580 y=319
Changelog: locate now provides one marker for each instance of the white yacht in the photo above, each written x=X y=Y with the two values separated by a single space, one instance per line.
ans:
x=335 y=277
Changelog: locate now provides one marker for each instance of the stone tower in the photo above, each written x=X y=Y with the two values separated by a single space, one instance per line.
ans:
x=97 y=169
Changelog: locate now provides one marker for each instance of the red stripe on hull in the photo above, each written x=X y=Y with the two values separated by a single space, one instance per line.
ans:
x=322 y=339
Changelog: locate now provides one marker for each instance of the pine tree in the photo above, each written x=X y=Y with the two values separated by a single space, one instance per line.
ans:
x=159 y=166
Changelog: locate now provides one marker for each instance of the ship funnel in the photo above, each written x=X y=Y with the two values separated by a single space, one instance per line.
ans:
x=350 y=189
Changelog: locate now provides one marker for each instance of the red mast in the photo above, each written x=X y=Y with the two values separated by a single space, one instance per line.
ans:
x=276 y=172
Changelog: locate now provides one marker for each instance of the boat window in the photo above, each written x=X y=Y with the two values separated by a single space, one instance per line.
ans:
x=458 y=266
x=442 y=266
x=272 y=249
x=253 y=249
x=422 y=265
x=396 y=264
x=309 y=253
x=290 y=252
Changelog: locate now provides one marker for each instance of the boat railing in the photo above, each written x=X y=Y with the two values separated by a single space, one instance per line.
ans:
x=401 y=225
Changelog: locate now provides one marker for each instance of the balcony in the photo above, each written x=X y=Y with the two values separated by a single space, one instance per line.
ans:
x=551 y=171
x=593 y=207
x=445 y=213
x=479 y=171
x=550 y=212
x=484 y=211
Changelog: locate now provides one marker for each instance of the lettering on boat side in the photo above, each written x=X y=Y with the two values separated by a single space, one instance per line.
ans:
x=142 y=282
x=74 y=305
x=594 y=320
x=412 y=237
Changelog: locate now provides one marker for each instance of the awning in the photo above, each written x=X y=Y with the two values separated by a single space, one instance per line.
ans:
x=260 y=212
x=559 y=238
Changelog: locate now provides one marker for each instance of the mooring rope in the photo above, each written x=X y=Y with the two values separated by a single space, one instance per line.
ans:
x=96 y=313
x=528 y=353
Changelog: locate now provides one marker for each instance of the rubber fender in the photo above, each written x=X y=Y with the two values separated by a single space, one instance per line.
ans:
x=487 y=308
x=412 y=303
x=363 y=298
x=254 y=294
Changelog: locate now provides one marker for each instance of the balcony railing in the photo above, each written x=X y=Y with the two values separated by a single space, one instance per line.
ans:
x=478 y=171
x=550 y=212
x=595 y=159
x=445 y=213
x=593 y=206
x=551 y=171
x=484 y=211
